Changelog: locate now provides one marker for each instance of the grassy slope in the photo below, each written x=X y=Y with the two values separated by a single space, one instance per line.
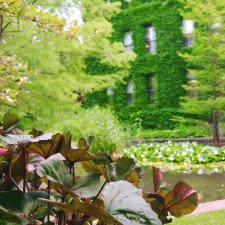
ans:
x=208 y=218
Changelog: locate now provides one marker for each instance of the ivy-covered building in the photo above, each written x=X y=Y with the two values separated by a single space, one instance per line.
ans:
x=155 y=31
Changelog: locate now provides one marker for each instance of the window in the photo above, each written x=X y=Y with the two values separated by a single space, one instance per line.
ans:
x=188 y=27
x=109 y=91
x=191 y=81
x=127 y=41
x=151 y=88
x=150 y=35
x=130 y=89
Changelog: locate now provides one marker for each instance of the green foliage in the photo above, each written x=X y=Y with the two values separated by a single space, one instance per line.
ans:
x=59 y=60
x=109 y=132
x=172 y=152
x=178 y=132
x=68 y=195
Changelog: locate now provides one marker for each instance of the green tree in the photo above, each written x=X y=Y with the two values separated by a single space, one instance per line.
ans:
x=60 y=59
x=206 y=60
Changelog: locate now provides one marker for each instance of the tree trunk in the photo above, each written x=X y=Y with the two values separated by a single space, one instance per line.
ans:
x=216 y=133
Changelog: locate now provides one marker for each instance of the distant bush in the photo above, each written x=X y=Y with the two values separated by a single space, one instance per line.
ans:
x=153 y=117
x=179 y=132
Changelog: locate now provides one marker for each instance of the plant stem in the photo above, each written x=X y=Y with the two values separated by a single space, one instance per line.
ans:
x=13 y=181
x=24 y=171
x=49 y=199
x=28 y=189
x=94 y=200
x=99 y=192
x=73 y=174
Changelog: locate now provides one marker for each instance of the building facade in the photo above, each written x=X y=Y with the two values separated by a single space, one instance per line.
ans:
x=155 y=31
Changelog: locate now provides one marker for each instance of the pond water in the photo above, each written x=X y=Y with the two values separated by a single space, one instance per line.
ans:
x=209 y=184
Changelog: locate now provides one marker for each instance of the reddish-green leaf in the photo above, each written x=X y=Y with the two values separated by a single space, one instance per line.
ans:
x=182 y=200
x=9 y=122
x=157 y=178
x=46 y=148
x=85 y=142
x=87 y=208
x=73 y=154
x=101 y=166
x=56 y=186
x=5 y=159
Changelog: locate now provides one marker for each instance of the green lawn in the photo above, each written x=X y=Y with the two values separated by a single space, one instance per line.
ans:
x=208 y=218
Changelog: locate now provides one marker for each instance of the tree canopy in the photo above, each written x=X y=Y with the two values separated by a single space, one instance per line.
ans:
x=206 y=60
x=43 y=55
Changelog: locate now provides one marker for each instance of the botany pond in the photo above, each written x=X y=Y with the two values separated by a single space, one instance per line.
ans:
x=208 y=182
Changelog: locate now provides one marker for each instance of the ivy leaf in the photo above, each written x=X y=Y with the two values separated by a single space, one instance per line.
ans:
x=87 y=186
x=182 y=200
x=46 y=148
x=9 y=122
x=71 y=153
x=157 y=178
x=125 y=202
x=87 y=208
x=55 y=170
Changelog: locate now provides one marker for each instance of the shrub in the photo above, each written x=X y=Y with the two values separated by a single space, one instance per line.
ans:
x=109 y=132
x=179 y=132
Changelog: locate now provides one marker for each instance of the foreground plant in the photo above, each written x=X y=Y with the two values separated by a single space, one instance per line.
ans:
x=39 y=183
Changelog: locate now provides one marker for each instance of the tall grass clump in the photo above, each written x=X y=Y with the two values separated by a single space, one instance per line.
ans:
x=110 y=134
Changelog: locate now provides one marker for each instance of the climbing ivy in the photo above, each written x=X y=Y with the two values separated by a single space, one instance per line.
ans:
x=166 y=66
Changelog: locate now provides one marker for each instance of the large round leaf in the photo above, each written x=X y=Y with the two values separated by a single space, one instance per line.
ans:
x=16 y=202
x=11 y=139
x=54 y=169
x=87 y=186
x=125 y=202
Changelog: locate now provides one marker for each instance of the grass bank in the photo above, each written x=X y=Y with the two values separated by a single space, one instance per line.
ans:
x=207 y=218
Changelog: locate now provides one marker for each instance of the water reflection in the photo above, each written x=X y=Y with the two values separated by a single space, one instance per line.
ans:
x=209 y=183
